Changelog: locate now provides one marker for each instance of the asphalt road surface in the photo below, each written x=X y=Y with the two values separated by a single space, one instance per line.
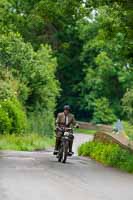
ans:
x=38 y=176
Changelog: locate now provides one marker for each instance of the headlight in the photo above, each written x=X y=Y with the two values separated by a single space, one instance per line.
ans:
x=66 y=134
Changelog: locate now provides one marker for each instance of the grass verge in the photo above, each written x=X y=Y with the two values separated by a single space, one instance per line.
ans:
x=85 y=131
x=27 y=142
x=108 y=154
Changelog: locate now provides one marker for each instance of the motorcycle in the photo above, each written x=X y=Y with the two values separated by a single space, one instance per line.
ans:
x=67 y=135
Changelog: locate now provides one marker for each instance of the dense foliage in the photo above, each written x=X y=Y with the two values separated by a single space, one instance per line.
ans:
x=103 y=112
x=128 y=104
x=109 y=154
x=29 y=77
x=128 y=129
x=12 y=117
x=106 y=56
x=84 y=45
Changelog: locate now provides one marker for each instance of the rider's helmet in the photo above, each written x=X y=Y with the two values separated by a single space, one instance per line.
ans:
x=67 y=107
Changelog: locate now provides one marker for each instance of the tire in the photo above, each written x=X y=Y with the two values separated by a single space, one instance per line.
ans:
x=60 y=154
x=65 y=152
x=59 y=159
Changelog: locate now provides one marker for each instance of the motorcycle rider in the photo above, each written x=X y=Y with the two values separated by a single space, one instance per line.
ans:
x=64 y=120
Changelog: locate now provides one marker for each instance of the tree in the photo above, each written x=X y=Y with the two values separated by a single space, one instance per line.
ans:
x=92 y=43
x=102 y=112
x=54 y=23
x=106 y=57
x=35 y=72
x=128 y=104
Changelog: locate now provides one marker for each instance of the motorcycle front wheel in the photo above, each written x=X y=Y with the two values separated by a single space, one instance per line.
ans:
x=63 y=152
x=60 y=154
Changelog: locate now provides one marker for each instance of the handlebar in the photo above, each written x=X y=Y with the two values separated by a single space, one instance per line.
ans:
x=64 y=129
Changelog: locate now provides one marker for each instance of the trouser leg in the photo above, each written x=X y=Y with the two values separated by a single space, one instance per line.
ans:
x=57 y=143
x=71 y=144
x=58 y=140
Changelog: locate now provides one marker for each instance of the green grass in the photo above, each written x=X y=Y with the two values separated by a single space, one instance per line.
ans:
x=85 y=131
x=108 y=154
x=27 y=142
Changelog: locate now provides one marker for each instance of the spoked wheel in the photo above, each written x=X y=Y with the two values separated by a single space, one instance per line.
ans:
x=64 y=157
x=65 y=152
x=60 y=155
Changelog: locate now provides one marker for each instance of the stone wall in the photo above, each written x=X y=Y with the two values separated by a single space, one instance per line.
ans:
x=98 y=127
x=120 y=139
x=105 y=134
x=86 y=125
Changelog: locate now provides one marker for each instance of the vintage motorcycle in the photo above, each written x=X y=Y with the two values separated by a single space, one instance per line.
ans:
x=67 y=135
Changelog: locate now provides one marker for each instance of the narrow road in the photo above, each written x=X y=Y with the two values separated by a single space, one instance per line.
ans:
x=38 y=176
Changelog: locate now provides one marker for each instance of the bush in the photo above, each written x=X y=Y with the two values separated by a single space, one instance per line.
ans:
x=128 y=129
x=8 y=85
x=5 y=122
x=14 y=118
x=128 y=105
x=36 y=86
x=103 y=112
x=108 y=154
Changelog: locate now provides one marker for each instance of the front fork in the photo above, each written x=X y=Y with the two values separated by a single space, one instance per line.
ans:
x=65 y=144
